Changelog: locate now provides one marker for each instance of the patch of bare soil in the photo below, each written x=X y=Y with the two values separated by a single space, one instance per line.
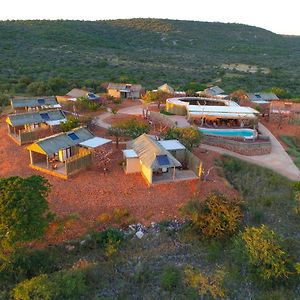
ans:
x=94 y=191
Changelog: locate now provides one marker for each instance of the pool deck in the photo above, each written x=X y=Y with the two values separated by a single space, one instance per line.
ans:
x=278 y=160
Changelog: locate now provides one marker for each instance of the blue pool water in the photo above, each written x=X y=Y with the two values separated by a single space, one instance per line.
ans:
x=244 y=133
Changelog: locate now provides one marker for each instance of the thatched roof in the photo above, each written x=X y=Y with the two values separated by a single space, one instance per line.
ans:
x=166 y=88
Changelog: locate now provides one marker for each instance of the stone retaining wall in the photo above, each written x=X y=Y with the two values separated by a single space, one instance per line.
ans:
x=259 y=147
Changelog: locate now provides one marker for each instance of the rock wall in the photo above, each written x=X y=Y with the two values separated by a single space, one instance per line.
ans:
x=259 y=147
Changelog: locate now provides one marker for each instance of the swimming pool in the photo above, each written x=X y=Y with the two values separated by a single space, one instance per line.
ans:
x=243 y=133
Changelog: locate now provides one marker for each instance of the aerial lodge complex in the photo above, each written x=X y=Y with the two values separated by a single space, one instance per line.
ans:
x=222 y=123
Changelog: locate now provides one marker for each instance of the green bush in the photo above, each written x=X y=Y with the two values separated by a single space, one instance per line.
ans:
x=70 y=124
x=84 y=104
x=131 y=128
x=171 y=278
x=60 y=285
x=109 y=240
x=189 y=137
x=215 y=217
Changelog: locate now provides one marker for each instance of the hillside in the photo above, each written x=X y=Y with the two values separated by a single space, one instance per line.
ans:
x=149 y=51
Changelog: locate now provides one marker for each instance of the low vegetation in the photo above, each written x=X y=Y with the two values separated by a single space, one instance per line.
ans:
x=71 y=123
x=225 y=249
x=129 y=128
x=189 y=137
x=293 y=144
x=215 y=217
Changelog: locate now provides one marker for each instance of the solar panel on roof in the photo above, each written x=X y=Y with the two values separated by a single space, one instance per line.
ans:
x=41 y=101
x=163 y=160
x=45 y=116
x=73 y=136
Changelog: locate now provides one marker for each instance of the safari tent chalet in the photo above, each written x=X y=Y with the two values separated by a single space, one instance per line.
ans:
x=35 y=104
x=124 y=90
x=66 y=153
x=27 y=127
x=75 y=94
x=151 y=158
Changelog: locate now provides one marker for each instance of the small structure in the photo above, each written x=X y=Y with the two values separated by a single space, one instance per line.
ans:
x=124 y=90
x=151 y=158
x=214 y=92
x=262 y=98
x=166 y=89
x=34 y=104
x=27 y=127
x=280 y=110
x=66 y=153
x=74 y=94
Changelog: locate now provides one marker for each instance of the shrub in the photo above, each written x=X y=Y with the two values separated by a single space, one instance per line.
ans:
x=60 y=285
x=265 y=252
x=171 y=278
x=104 y=218
x=206 y=285
x=215 y=217
x=215 y=249
x=120 y=214
x=84 y=103
x=109 y=240
x=189 y=137
x=70 y=124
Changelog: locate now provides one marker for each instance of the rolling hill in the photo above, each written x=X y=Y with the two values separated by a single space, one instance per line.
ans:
x=46 y=57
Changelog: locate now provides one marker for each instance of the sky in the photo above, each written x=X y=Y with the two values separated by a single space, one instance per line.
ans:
x=278 y=16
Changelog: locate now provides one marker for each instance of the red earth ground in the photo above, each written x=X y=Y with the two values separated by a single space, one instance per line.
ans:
x=93 y=192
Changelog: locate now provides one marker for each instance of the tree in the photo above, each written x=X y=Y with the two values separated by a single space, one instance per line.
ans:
x=280 y=93
x=70 y=124
x=189 y=137
x=131 y=128
x=265 y=252
x=24 y=211
x=215 y=217
x=157 y=96
x=116 y=132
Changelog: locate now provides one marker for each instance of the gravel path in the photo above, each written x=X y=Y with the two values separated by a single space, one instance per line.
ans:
x=132 y=110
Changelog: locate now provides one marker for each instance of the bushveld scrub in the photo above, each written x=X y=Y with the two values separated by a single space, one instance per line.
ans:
x=66 y=54
x=215 y=217
x=293 y=143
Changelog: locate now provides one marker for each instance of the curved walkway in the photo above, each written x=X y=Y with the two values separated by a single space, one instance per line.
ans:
x=278 y=160
x=131 y=110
